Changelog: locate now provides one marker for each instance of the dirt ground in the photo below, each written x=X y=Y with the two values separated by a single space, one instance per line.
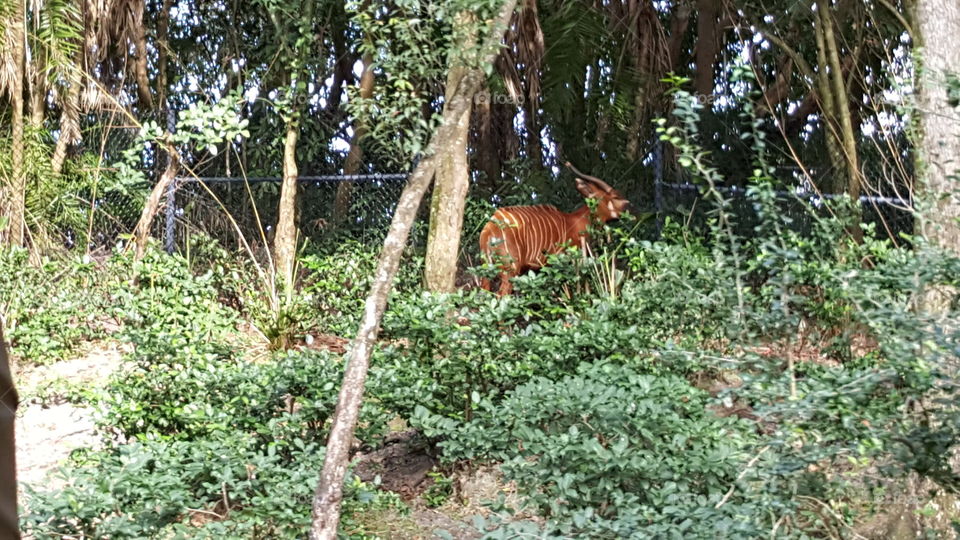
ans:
x=49 y=427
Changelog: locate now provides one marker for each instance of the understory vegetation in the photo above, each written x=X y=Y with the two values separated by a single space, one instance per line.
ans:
x=758 y=337
x=789 y=384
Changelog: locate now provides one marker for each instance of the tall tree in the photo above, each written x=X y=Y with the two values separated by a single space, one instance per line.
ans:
x=938 y=146
x=708 y=46
x=14 y=194
x=452 y=179
x=285 y=241
x=841 y=101
x=329 y=493
x=341 y=203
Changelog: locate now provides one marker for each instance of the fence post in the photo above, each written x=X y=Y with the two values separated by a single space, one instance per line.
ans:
x=171 y=209
x=658 y=184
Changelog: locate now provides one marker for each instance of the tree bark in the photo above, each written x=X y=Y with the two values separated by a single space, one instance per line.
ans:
x=938 y=161
x=285 y=240
x=450 y=188
x=142 y=231
x=707 y=47
x=486 y=145
x=831 y=127
x=341 y=203
x=9 y=525
x=534 y=143
x=678 y=30
x=841 y=102
x=13 y=200
x=69 y=126
x=140 y=60
x=163 y=43
x=329 y=493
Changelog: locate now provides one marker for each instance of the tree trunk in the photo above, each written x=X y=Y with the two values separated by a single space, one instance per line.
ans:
x=938 y=160
x=285 y=241
x=13 y=199
x=841 y=101
x=142 y=231
x=707 y=46
x=678 y=29
x=163 y=43
x=831 y=128
x=446 y=211
x=9 y=525
x=486 y=144
x=449 y=189
x=69 y=125
x=534 y=144
x=329 y=493
x=847 y=136
x=341 y=203
x=140 y=61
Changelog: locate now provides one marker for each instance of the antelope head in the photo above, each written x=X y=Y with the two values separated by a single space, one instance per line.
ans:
x=611 y=204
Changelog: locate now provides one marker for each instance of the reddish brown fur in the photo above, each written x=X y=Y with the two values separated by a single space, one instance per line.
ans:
x=518 y=238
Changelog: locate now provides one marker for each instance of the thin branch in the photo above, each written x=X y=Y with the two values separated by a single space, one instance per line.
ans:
x=733 y=487
x=799 y=60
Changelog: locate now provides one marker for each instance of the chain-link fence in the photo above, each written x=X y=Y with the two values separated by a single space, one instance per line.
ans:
x=242 y=212
x=799 y=208
x=237 y=210
x=798 y=211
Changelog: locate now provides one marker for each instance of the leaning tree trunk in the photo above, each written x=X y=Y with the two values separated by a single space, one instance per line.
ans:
x=9 y=526
x=938 y=160
x=13 y=200
x=142 y=231
x=450 y=188
x=329 y=494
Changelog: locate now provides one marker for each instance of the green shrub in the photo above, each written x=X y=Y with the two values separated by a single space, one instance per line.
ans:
x=339 y=279
x=51 y=308
x=232 y=486
x=162 y=299
x=610 y=452
x=178 y=391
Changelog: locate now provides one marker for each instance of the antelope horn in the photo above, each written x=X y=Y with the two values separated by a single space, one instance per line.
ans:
x=587 y=177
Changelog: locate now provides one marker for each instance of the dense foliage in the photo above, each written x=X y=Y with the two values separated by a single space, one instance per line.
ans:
x=691 y=395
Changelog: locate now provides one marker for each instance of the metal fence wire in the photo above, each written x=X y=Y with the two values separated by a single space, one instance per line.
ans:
x=688 y=204
x=236 y=210
x=798 y=210
x=333 y=208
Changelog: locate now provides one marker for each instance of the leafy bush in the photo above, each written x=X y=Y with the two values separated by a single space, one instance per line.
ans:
x=168 y=302
x=610 y=452
x=51 y=308
x=216 y=446
x=339 y=280
x=232 y=486
x=201 y=390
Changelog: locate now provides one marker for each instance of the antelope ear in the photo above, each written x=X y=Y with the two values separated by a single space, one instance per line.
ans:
x=589 y=190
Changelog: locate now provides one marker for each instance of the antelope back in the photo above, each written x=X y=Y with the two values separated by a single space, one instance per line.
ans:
x=525 y=234
x=520 y=237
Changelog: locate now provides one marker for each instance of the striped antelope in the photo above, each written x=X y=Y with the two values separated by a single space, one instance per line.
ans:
x=519 y=238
